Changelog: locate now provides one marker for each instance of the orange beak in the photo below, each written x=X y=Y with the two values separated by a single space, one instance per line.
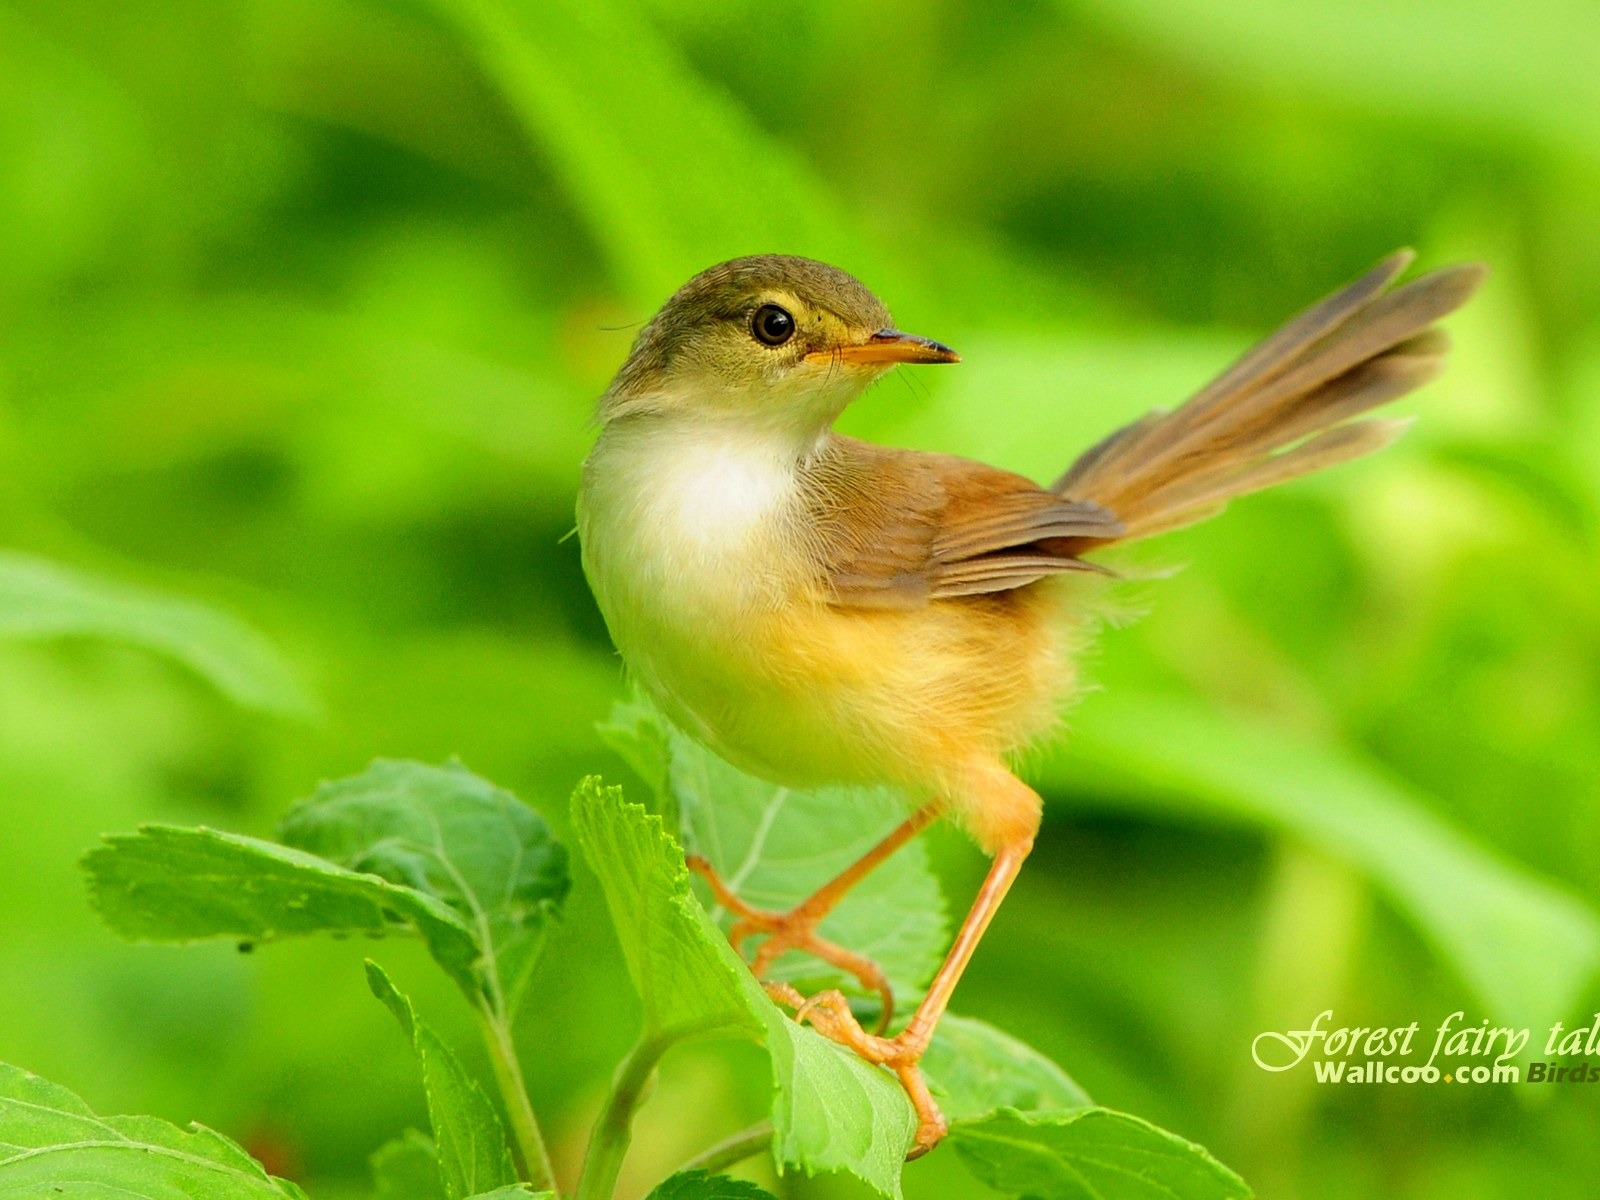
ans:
x=891 y=346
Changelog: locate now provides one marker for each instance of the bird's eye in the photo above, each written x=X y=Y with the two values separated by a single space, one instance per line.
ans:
x=772 y=326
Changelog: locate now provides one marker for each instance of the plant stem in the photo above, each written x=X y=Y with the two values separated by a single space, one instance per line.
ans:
x=528 y=1141
x=614 y=1130
x=733 y=1149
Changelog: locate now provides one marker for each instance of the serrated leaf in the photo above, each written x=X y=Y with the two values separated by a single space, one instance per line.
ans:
x=1091 y=1154
x=52 y=1144
x=688 y=981
x=468 y=1137
x=775 y=846
x=973 y=1069
x=636 y=731
x=832 y=1111
x=1527 y=948
x=434 y=850
x=447 y=833
x=42 y=599
x=702 y=1185
x=167 y=883
x=407 y=1168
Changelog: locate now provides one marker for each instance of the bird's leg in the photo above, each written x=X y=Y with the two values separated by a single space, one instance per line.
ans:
x=830 y=1015
x=797 y=928
x=1009 y=825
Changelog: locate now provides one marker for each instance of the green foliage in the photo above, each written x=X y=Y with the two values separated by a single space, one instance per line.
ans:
x=448 y=834
x=620 y=149
x=40 y=599
x=467 y=848
x=1090 y=1155
x=831 y=1111
x=689 y=982
x=407 y=1169
x=974 y=1068
x=172 y=884
x=434 y=850
x=469 y=1143
x=699 y=1185
x=1366 y=57
x=1527 y=949
x=51 y=1144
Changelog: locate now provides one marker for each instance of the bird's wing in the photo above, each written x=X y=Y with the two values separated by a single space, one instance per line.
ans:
x=897 y=528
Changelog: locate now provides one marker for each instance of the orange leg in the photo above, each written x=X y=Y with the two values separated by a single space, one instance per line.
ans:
x=830 y=1014
x=797 y=928
x=1002 y=813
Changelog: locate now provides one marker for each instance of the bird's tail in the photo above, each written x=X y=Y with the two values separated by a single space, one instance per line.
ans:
x=1283 y=410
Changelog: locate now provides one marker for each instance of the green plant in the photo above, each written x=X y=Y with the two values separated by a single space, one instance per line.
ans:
x=440 y=853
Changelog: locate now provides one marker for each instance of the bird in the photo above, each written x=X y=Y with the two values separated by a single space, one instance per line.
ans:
x=818 y=609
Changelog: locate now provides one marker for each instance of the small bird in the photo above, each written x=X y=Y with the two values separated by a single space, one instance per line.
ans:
x=818 y=609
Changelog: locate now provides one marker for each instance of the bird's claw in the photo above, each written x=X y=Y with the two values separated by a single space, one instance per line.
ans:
x=830 y=1015
x=828 y=1012
x=792 y=930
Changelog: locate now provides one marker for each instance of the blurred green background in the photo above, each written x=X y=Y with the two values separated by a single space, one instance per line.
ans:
x=303 y=305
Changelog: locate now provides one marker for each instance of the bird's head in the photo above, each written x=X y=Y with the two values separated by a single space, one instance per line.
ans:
x=771 y=339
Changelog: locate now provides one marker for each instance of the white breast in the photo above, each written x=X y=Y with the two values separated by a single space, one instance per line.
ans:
x=683 y=530
x=718 y=498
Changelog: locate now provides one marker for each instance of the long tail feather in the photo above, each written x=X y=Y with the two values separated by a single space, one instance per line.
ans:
x=1284 y=409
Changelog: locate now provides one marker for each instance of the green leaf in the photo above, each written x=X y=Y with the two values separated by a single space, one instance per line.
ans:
x=701 y=1185
x=51 y=1144
x=973 y=1069
x=166 y=883
x=41 y=599
x=639 y=735
x=469 y=1140
x=1091 y=1154
x=688 y=980
x=434 y=850
x=669 y=173
x=1527 y=948
x=832 y=1111
x=775 y=846
x=450 y=834
x=407 y=1168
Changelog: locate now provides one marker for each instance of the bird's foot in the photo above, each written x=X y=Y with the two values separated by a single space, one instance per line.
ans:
x=792 y=930
x=829 y=1014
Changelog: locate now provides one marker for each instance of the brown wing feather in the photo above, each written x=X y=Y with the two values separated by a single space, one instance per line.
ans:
x=1359 y=348
x=898 y=528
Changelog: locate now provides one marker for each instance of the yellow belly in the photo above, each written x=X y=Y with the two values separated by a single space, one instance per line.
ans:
x=817 y=694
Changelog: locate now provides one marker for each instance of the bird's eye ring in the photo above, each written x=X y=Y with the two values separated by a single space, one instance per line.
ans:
x=771 y=325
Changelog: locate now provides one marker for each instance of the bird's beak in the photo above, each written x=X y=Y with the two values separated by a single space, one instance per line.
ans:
x=891 y=346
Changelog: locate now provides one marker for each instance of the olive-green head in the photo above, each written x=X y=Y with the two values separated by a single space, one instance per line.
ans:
x=772 y=337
